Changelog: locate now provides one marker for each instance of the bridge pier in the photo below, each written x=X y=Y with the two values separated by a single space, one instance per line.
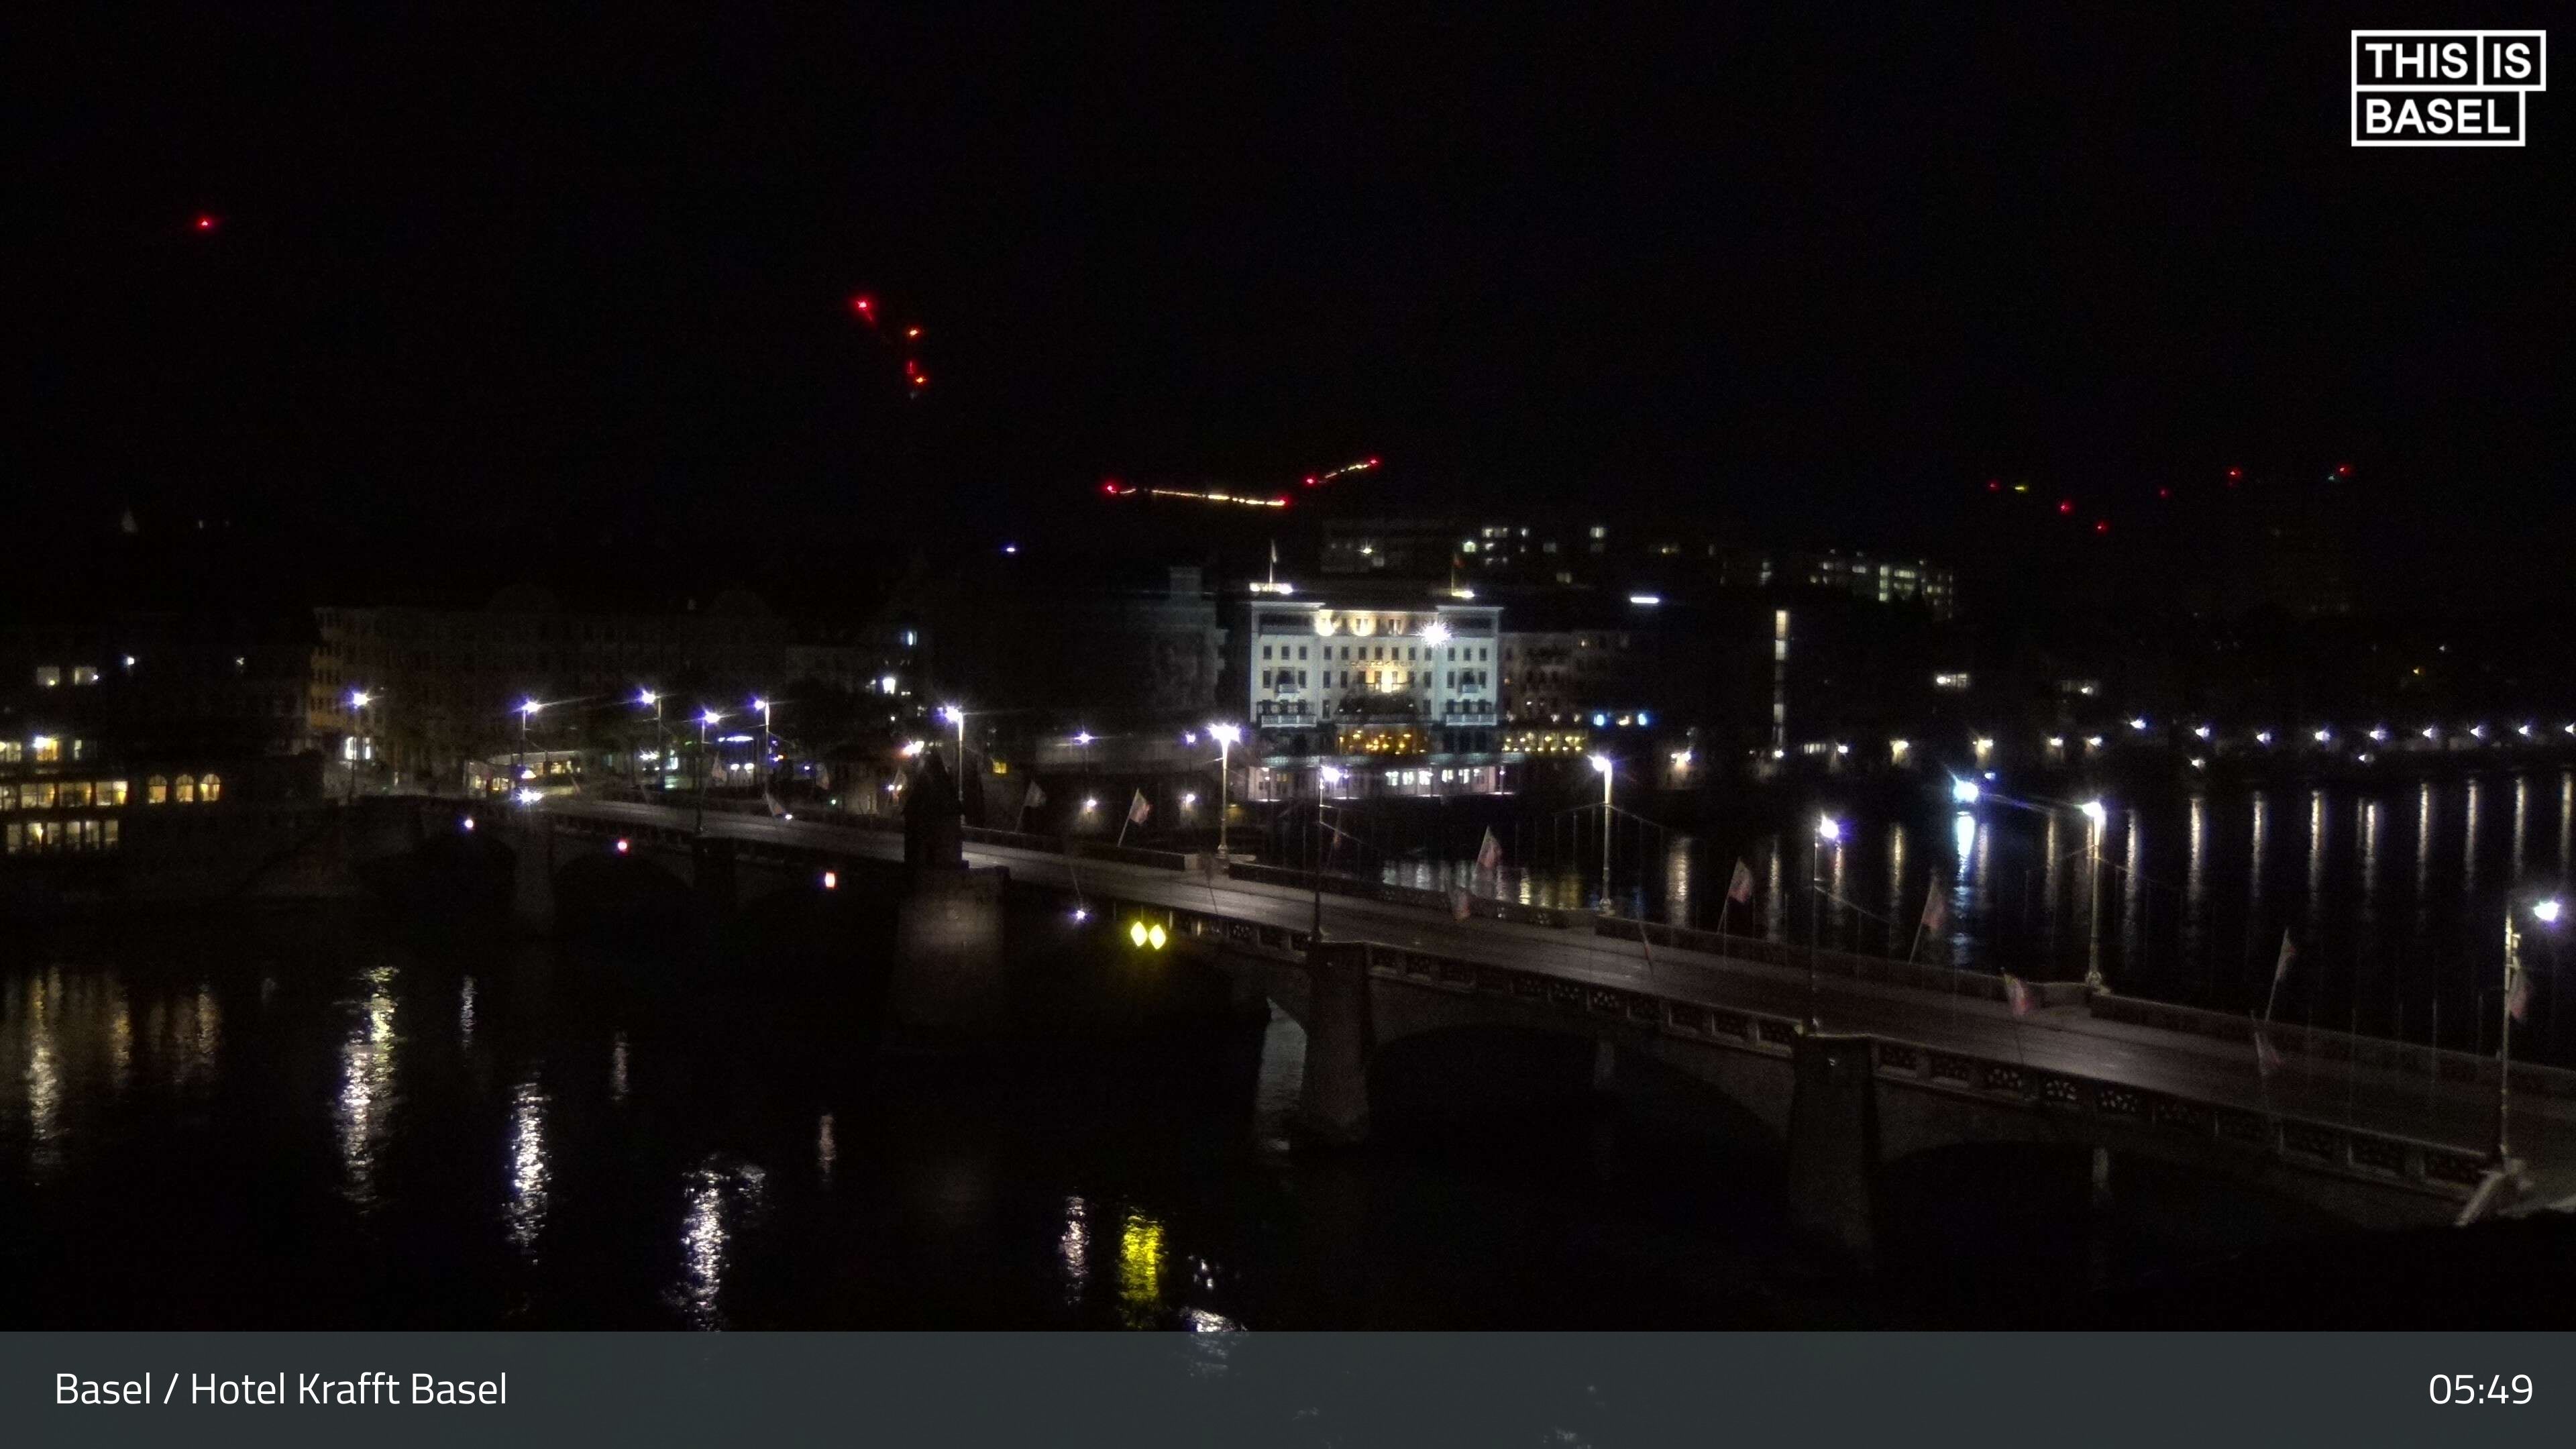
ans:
x=948 y=952
x=532 y=894
x=1833 y=1144
x=712 y=873
x=1339 y=1037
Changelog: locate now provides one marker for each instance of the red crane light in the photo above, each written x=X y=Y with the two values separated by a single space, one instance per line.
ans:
x=2343 y=470
x=2066 y=505
x=1994 y=485
x=2102 y=525
x=2235 y=473
x=2164 y=493
x=207 y=221
x=865 y=307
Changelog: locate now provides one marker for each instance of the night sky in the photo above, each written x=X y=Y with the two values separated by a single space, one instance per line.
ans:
x=579 y=294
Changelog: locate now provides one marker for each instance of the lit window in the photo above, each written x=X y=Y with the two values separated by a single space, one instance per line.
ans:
x=8 y=796
x=73 y=794
x=84 y=674
x=111 y=792
x=156 y=791
x=210 y=789
x=36 y=795
x=48 y=676
x=186 y=793
x=46 y=749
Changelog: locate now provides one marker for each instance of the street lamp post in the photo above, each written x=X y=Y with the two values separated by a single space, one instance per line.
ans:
x=519 y=767
x=2546 y=912
x=1606 y=766
x=1226 y=735
x=706 y=719
x=1829 y=831
x=762 y=704
x=1324 y=775
x=661 y=742
x=359 y=699
x=956 y=715
x=2094 y=815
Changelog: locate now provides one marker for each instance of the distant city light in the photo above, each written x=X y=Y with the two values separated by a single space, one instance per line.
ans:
x=1965 y=791
x=1226 y=734
x=2432 y=731
x=1435 y=634
x=2139 y=723
x=621 y=845
x=2094 y=811
x=1602 y=763
x=529 y=706
x=1080 y=915
x=2262 y=737
x=1093 y=803
x=1828 y=828
x=2546 y=910
x=2202 y=731
x=831 y=880
x=1189 y=799
x=2379 y=733
x=1645 y=601
x=2322 y=735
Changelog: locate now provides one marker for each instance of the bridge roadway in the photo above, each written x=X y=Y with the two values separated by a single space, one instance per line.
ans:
x=2066 y=1039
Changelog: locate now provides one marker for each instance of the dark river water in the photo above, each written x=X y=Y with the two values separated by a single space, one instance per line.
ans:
x=332 y=1118
x=2393 y=895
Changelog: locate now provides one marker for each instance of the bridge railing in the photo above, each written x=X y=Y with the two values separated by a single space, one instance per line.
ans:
x=1480 y=907
x=2413 y=1059
x=1857 y=966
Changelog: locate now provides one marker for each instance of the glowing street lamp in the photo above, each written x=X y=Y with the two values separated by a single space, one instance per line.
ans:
x=1608 y=768
x=762 y=704
x=957 y=717
x=519 y=764
x=661 y=741
x=2546 y=911
x=2095 y=814
x=1225 y=735
x=1964 y=792
x=1829 y=831
x=359 y=699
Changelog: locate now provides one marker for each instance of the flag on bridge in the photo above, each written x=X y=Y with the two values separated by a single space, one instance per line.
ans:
x=2018 y=993
x=1936 y=909
x=770 y=800
x=2281 y=969
x=1138 y=809
x=2517 y=997
x=1460 y=903
x=1739 y=886
x=1035 y=798
x=2267 y=1058
x=1489 y=856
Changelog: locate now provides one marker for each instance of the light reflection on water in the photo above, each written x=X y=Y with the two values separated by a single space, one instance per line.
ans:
x=529 y=1170
x=366 y=1086
x=719 y=1201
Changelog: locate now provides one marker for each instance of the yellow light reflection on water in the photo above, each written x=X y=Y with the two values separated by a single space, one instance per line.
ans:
x=1140 y=1270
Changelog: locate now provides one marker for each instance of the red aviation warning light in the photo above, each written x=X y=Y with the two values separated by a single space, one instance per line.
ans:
x=2343 y=470
x=206 y=221
x=2065 y=506
x=2102 y=525
x=866 y=307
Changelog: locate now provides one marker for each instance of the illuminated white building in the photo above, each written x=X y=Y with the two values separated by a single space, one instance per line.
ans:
x=1395 y=695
